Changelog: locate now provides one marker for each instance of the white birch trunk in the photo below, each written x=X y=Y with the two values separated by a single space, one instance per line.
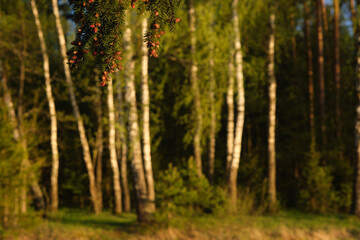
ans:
x=112 y=149
x=272 y=115
x=196 y=92
x=240 y=109
x=146 y=119
x=53 y=120
x=230 y=106
x=134 y=136
x=123 y=146
x=82 y=133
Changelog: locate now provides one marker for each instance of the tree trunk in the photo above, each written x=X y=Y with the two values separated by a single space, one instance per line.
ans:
x=98 y=151
x=230 y=106
x=353 y=16
x=240 y=108
x=196 y=92
x=123 y=147
x=38 y=195
x=20 y=111
x=357 y=123
x=82 y=133
x=53 y=119
x=321 y=72
x=272 y=116
x=324 y=15
x=146 y=120
x=311 y=77
x=137 y=167
x=212 y=137
x=337 y=69
x=112 y=149
x=293 y=38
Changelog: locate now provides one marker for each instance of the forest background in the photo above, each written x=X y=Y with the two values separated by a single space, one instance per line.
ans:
x=249 y=107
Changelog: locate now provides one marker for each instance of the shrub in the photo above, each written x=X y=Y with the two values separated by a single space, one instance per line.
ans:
x=183 y=193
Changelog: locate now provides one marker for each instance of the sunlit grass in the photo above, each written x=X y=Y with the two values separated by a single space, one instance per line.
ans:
x=80 y=224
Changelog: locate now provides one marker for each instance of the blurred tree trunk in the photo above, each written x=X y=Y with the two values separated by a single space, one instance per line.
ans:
x=38 y=195
x=320 y=39
x=293 y=38
x=80 y=123
x=122 y=148
x=353 y=16
x=112 y=149
x=196 y=91
x=53 y=119
x=310 y=76
x=240 y=108
x=20 y=111
x=212 y=117
x=324 y=15
x=137 y=166
x=146 y=119
x=272 y=115
x=230 y=107
x=357 y=123
x=98 y=151
x=337 y=69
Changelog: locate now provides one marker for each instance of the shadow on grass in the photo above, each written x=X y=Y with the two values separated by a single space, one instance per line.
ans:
x=78 y=218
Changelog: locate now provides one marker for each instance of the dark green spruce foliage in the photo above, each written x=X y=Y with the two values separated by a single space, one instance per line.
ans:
x=100 y=25
x=183 y=193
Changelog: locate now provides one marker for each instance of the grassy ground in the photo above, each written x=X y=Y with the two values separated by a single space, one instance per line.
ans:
x=80 y=225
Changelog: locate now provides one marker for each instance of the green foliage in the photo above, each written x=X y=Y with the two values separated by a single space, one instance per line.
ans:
x=183 y=193
x=11 y=174
x=316 y=194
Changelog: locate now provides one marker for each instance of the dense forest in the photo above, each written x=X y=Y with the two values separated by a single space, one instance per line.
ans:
x=179 y=108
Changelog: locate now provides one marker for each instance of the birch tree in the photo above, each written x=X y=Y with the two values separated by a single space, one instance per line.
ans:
x=112 y=149
x=240 y=108
x=146 y=119
x=135 y=155
x=80 y=123
x=272 y=115
x=195 y=89
x=52 y=110
x=230 y=108
x=123 y=143
x=98 y=150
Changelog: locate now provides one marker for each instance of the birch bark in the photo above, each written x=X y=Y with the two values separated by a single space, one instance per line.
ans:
x=146 y=119
x=230 y=106
x=134 y=138
x=112 y=149
x=53 y=119
x=272 y=115
x=80 y=123
x=196 y=92
x=240 y=108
